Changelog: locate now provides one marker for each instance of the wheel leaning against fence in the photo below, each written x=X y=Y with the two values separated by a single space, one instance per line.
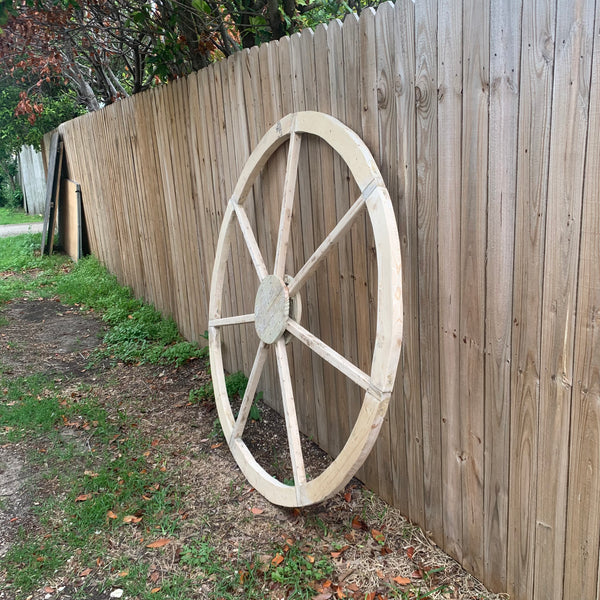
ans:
x=274 y=320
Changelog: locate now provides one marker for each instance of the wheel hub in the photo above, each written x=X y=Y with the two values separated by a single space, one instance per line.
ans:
x=271 y=309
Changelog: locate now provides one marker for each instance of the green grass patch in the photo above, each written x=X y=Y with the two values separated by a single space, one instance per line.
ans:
x=138 y=332
x=13 y=216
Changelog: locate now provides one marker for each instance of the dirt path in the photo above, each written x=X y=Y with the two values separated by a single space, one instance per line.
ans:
x=10 y=230
x=44 y=336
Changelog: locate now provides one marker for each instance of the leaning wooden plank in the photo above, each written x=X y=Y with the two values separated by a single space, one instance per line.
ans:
x=70 y=218
x=52 y=192
x=572 y=67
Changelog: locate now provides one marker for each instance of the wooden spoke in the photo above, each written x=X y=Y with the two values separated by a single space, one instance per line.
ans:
x=289 y=410
x=255 y=373
x=237 y=320
x=330 y=355
x=327 y=244
x=250 y=239
x=276 y=319
x=289 y=188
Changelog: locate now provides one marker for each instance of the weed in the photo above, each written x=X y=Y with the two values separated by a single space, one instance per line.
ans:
x=298 y=572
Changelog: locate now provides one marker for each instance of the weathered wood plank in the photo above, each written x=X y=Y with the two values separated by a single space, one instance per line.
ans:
x=574 y=34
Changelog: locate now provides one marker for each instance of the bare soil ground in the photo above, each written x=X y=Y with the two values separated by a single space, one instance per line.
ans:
x=43 y=336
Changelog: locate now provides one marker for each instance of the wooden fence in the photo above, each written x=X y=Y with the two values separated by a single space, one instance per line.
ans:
x=484 y=117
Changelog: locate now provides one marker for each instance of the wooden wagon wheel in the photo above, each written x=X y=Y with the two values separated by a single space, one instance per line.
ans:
x=272 y=318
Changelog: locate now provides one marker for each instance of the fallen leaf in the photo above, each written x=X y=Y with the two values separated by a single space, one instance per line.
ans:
x=154 y=590
x=49 y=590
x=385 y=550
x=327 y=583
x=111 y=515
x=410 y=552
x=401 y=580
x=339 y=552
x=322 y=596
x=123 y=573
x=159 y=543
x=277 y=560
x=90 y=473
x=370 y=596
x=310 y=559
x=131 y=519
x=352 y=587
x=213 y=446
x=83 y=497
x=379 y=574
x=257 y=511
x=418 y=574
x=348 y=496
x=358 y=524
x=378 y=536
x=154 y=576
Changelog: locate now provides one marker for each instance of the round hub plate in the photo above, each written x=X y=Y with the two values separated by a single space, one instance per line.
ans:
x=271 y=309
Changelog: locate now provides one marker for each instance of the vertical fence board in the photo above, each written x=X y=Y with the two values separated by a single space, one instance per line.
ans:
x=583 y=516
x=505 y=38
x=426 y=100
x=535 y=103
x=563 y=220
x=388 y=85
x=472 y=256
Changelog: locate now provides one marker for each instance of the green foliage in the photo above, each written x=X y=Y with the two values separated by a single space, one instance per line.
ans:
x=298 y=571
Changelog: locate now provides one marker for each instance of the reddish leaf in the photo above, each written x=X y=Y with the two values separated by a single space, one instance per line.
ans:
x=83 y=497
x=111 y=515
x=385 y=550
x=154 y=576
x=49 y=590
x=159 y=543
x=379 y=574
x=418 y=574
x=358 y=524
x=154 y=590
x=370 y=596
x=401 y=580
x=85 y=572
x=378 y=536
x=348 y=496
x=277 y=560
x=257 y=511
x=410 y=552
x=310 y=559
x=213 y=446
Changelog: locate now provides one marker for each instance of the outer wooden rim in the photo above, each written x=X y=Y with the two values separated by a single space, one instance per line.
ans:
x=378 y=384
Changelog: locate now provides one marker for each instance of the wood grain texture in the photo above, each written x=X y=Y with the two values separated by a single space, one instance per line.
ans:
x=426 y=83
x=505 y=39
x=535 y=104
x=570 y=101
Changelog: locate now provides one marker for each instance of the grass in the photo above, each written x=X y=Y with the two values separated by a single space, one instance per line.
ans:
x=13 y=216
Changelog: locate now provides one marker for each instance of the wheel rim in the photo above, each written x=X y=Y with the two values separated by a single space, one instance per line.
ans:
x=273 y=321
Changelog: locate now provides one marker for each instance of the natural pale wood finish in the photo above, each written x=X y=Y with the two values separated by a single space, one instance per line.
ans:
x=69 y=224
x=271 y=316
